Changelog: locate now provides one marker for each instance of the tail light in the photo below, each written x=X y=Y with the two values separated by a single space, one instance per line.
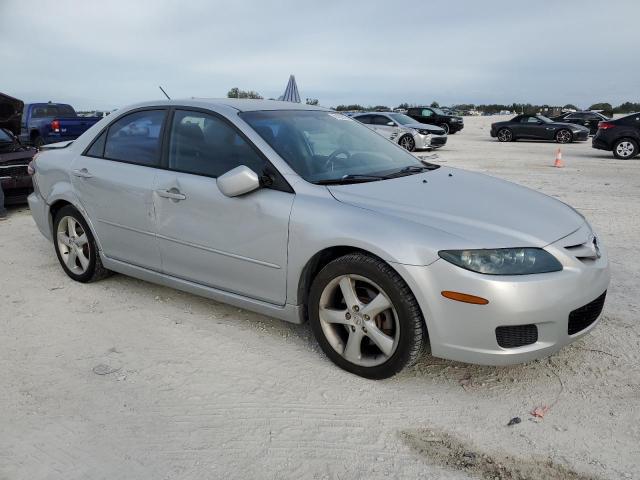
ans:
x=55 y=126
x=605 y=125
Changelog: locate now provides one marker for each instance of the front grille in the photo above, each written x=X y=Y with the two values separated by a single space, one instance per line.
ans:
x=13 y=170
x=584 y=316
x=441 y=140
x=517 y=335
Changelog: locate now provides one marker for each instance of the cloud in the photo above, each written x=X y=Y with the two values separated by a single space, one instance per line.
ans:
x=106 y=54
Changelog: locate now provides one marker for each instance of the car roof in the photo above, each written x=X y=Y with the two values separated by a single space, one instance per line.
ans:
x=239 y=104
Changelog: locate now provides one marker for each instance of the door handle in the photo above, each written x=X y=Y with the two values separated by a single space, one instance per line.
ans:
x=82 y=173
x=173 y=194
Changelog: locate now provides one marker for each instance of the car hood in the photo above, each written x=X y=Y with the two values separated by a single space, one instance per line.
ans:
x=475 y=210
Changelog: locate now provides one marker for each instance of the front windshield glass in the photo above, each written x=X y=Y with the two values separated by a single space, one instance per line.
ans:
x=326 y=146
x=401 y=118
x=438 y=111
x=5 y=137
x=544 y=119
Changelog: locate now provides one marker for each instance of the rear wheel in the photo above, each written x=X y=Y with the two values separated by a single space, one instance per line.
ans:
x=365 y=317
x=563 y=136
x=38 y=141
x=505 y=135
x=625 y=148
x=407 y=142
x=445 y=127
x=76 y=248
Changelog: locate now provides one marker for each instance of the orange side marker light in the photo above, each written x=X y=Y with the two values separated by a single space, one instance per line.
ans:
x=464 y=297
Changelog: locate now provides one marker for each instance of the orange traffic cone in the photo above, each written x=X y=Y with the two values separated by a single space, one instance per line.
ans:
x=558 y=163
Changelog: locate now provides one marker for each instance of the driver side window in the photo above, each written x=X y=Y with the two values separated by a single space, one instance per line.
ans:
x=203 y=144
x=426 y=112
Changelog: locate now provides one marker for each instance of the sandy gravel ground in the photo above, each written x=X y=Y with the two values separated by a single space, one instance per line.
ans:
x=123 y=379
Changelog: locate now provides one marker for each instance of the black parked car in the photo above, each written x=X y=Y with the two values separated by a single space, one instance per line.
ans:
x=586 y=119
x=434 y=116
x=620 y=136
x=537 y=127
x=14 y=160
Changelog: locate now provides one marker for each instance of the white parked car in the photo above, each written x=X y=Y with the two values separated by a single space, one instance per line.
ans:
x=404 y=130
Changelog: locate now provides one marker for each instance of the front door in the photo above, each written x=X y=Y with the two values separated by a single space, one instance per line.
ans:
x=385 y=126
x=237 y=244
x=114 y=181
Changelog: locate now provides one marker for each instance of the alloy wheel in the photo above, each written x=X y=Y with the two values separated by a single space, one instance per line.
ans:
x=73 y=245
x=407 y=143
x=359 y=320
x=625 y=149
x=505 y=135
x=563 y=136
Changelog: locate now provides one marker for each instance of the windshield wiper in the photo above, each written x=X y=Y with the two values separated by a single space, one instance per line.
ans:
x=352 y=178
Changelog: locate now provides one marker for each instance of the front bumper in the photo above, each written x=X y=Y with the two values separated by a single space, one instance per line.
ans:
x=438 y=141
x=16 y=189
x=581 y=136
x=455 y=127
x=467 y=332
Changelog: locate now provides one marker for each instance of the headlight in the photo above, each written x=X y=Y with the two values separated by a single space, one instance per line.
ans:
x=424 y=132
x=503 y=261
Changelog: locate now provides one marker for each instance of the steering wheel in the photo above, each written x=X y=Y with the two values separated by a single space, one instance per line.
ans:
x=329 y=164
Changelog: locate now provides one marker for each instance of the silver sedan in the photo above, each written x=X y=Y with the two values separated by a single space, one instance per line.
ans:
x=404 y=130
x=304 y=214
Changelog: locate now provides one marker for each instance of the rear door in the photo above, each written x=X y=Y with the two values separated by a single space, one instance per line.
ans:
x=237 y=244
x=113 y=180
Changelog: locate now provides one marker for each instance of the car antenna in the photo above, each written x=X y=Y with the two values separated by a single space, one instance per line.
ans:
x=165 y=93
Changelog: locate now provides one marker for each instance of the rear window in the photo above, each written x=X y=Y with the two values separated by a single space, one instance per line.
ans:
x=46 y=111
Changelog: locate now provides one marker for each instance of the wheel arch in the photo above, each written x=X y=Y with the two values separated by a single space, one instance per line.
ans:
x=57 y=204
x=318 y=261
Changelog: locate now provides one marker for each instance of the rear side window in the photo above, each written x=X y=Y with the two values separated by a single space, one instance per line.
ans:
x=203 y=144
x=136 y=138
x=97 y=149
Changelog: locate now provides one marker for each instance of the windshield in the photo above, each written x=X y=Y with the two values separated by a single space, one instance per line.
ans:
x=325 y=146
x=438 y=111
x=544 y=119
x=401 y=118
x=5 y=137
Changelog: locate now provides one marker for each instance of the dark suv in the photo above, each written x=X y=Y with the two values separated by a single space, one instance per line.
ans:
x=14 y=176
x=586 y=119
x=620 y=136
x=434 y=116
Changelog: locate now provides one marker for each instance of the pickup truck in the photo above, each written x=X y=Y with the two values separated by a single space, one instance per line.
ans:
x=434 y=116
x=43 y=123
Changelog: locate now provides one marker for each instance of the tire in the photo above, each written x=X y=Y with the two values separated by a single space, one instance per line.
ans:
x=38 y=141
x=407 y=142
x=505 y=135
x=72 y=249
x=625 y=148
x=445 y=127
x=395 y=314
x=563 y=136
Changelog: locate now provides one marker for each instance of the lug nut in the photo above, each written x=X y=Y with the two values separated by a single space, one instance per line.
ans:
x=356 y=308
x=366 y=317
x=353 y=329
x=347 y=316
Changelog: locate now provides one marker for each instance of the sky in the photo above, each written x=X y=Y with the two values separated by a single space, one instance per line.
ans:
x=106 y=54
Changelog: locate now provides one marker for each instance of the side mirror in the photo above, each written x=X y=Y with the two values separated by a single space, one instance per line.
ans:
x=391 y=124
x=238 y=181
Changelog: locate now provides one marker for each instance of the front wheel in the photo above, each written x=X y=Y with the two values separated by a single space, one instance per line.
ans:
x=408 y=143
x=445 y=127
x=563 y=136
x=625 y=148
x=505 y=135
x=365 y=317
x=76 y=248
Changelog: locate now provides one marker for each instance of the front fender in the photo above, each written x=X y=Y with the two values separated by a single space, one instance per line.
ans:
x=320 y=223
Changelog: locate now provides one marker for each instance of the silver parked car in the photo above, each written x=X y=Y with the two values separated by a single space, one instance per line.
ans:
x=404 y=130
x=301 y=213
